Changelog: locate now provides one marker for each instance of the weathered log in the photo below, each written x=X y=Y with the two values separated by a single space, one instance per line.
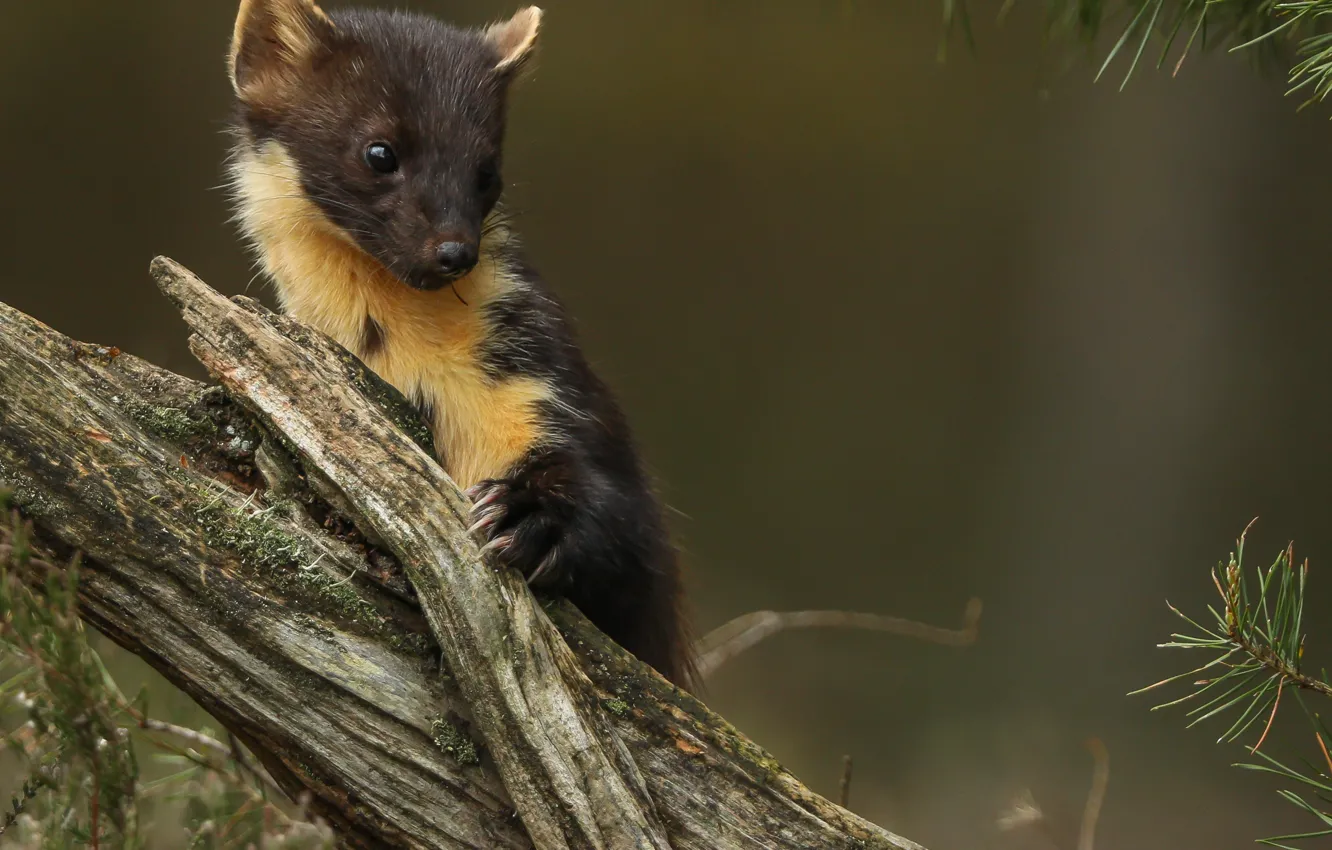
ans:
x=312 y=648
x=569 y=776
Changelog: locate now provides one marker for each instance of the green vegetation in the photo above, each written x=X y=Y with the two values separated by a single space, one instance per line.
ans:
x=453 y=741
x=1169 y=31
x=1257 y=640
x=170 y=423
x=76 y=737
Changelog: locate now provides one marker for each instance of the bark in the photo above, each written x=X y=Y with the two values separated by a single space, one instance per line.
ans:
x=285 y=549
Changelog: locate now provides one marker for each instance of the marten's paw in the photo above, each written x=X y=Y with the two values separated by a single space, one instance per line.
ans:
x=523 y=527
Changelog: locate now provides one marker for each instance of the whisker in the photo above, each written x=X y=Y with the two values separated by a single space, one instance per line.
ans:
x=302 y=196
x=312 y=220
x=250 y=168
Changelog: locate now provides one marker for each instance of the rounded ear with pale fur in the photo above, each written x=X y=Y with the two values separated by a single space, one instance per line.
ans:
x=272 y=36
x=514 y=40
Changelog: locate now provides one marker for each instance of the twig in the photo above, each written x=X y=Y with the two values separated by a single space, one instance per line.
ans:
x=729 y=640
x=203 y=761
x=191 y=735
x=20 y=802
x=1265 y=656
x=844 y=797
x=245 y=763
x=235 y=753
x=1232 y=594
x=208 y=764
x=1095 y=797
x=234 y=747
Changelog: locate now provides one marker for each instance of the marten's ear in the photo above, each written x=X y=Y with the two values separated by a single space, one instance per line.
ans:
x=272 y=36
x=515 y=39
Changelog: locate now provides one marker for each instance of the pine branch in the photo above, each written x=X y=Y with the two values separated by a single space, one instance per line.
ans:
x=1257 y=640
x=1268 y=30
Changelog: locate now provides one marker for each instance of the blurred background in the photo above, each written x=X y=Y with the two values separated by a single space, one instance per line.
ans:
x=892 y=332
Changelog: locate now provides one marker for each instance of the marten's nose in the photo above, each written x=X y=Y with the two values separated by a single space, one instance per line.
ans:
x=455 y=258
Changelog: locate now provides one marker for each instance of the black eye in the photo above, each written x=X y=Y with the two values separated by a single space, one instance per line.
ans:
x=381 y=158
x=487 y=178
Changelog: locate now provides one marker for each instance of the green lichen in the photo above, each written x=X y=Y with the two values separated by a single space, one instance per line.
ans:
x=24 y=496
x=449 y=738
x=253 y=536
x=284 y=559
x=618 y=707
x=264 y=545
x=730 y=739
x=285 y=506
x=170 y=423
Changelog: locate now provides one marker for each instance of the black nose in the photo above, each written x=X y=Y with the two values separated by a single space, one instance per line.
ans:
x=455 y=258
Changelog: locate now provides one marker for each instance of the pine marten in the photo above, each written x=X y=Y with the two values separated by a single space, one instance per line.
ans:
x=366 y=175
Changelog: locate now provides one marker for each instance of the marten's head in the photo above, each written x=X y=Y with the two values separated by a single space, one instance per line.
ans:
x=387 y=125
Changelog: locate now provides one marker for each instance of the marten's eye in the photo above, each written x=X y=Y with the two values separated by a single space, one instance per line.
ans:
x=487 y=178
x=381 y=158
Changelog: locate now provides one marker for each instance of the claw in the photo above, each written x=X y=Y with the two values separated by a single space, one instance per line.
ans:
x=486 y=520
x=485 y=514
x=488 y=499
x=476 y=490
x=545 y=565
x=496 y=544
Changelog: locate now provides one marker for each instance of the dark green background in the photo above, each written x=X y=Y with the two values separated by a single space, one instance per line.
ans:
x=892 y=333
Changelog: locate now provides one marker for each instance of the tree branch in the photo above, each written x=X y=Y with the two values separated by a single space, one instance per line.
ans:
x=312 y=649
x=734 y=637
x=568 y=775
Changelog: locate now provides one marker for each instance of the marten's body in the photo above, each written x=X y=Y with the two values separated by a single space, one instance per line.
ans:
x=366 y=174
